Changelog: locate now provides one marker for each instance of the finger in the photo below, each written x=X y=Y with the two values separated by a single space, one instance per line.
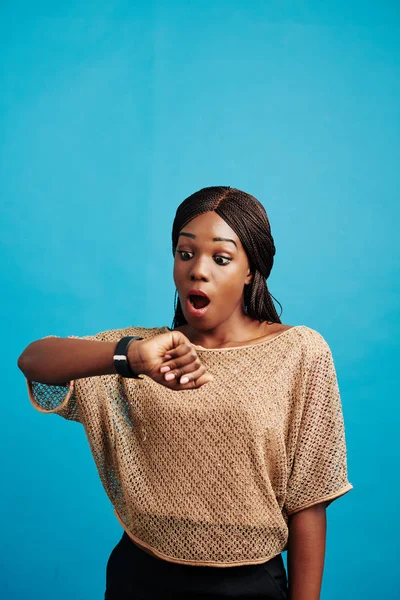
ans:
x=185 y=374
x=178 y=364
x=181 y=350
x=190 y=367
x=192 y=383
x=207 y=377
x=191 y=373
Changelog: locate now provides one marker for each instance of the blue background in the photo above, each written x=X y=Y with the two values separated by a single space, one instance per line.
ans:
x=111 y=113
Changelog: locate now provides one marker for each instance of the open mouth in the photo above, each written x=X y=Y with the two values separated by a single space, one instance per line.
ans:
x=198 y=302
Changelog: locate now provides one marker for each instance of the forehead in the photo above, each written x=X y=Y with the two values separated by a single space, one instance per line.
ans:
x=209 y=225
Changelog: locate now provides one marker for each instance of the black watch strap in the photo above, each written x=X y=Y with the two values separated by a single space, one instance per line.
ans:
x=120 y=358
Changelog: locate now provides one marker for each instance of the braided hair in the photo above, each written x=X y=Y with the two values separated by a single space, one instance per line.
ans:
x=248 y=219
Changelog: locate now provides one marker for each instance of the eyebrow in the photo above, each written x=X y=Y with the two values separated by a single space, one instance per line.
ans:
x=216 y=239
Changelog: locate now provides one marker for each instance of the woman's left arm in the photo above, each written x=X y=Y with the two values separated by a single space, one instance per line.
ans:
x=306 y=552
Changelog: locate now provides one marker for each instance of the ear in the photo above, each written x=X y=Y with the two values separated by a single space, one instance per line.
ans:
x=249 y=277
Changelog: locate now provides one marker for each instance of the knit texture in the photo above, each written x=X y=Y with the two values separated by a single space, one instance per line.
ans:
x=209 y=476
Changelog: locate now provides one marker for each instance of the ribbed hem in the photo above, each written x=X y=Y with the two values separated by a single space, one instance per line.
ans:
x=194 y=563
x=328 y=499
x=55 y=410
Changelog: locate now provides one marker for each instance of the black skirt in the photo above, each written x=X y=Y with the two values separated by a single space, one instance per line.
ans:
x=132 y=574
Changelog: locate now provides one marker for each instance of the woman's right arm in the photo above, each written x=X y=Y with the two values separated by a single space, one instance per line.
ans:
x=55 y=360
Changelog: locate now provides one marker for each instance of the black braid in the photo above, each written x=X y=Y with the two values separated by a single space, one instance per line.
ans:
x=248 y=219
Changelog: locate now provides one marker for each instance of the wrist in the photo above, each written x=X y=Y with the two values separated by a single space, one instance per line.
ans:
x=134 y=359
x=121 y=361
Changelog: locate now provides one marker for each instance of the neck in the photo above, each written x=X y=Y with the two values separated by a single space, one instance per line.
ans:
x=227 y=333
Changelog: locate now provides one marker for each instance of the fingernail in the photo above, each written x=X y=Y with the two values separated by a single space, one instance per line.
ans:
x=165 y=369
x=184 y=379
x=170 y=376
x=167 y=356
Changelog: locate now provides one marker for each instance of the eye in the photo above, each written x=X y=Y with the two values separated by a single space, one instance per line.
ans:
x=228 y=260
x=181 y=254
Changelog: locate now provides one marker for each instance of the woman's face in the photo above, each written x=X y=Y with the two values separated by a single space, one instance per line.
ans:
x=210 y=257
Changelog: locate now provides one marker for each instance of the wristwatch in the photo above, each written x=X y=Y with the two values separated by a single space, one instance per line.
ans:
x=120 y=358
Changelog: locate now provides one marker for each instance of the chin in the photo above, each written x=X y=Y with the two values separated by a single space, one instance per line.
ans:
x=201 y=324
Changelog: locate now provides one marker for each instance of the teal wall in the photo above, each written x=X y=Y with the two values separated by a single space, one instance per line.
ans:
x=111 y=113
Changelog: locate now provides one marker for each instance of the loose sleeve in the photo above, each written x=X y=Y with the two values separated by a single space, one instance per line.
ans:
x=319 y=470
x=60 y=399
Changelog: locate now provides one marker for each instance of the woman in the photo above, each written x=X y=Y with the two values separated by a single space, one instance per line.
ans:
x=219 y=442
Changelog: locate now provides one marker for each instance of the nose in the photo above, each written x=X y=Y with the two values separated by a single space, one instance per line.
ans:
x=199 y=270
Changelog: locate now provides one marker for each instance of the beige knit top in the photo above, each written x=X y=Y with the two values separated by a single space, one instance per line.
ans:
x=209 y=476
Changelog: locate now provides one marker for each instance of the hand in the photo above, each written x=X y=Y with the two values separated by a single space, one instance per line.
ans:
x=169 y=359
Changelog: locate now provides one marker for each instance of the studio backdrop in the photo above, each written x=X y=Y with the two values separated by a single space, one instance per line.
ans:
x=111 y=113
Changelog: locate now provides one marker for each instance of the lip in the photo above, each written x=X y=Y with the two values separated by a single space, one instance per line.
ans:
x=197 y=293
x=196 y=312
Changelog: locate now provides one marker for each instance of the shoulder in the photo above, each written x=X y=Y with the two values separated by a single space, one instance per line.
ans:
x=312 y=341
x=313 y=354
x=113 y=335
